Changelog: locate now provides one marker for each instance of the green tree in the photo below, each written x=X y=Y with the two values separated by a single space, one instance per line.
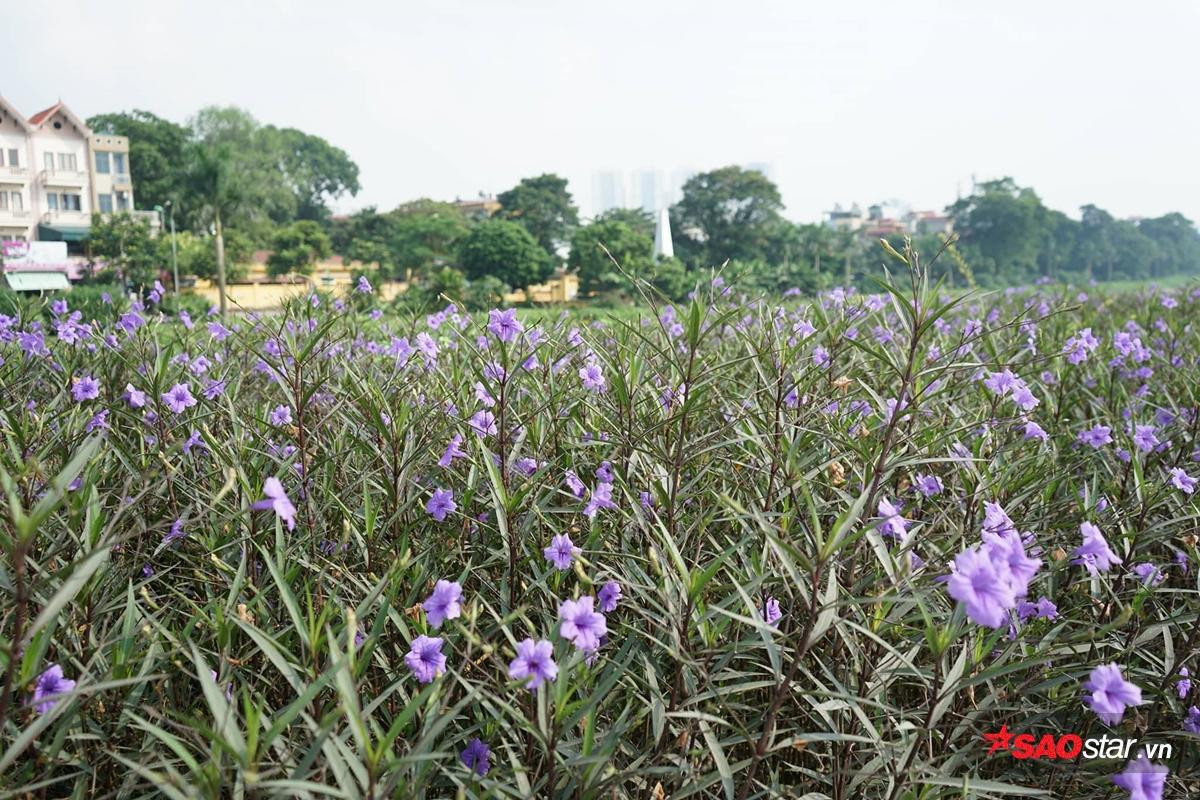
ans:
x=632 y=249
x=125 y=245
x=296 y=248
x=1000 y=226
x=221 y=192
x=157 y=151
x=544 y=206
x=197 y=254
x=315 y=171
x=728 y=213
x=424 y=235
x=505 y=250
x=639 y=219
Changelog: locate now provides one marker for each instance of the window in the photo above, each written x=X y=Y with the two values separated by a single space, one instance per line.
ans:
x=66 y=162
x=1 y=158
x=18 y=202
x=14 y=157
x=3 y=201
x=105 y=203
x=52 y=201
x=102 y=163
x=119 y=163
x=50 y=162
x=122 y=201
x=70 y=202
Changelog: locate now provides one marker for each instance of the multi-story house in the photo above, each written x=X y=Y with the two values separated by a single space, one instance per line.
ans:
x=55 y=172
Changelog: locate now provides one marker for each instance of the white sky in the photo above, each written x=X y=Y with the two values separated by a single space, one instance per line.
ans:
x=1085 y=101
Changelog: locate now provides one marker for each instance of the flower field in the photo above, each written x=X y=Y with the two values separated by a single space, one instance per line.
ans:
x=732 y=548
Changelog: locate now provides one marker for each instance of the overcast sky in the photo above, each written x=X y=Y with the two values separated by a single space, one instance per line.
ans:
x=1094 y=101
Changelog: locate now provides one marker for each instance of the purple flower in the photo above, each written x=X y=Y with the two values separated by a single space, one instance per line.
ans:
x=1184 y=684
x=277 y=500
x=1097 y=437
x=1144 y=438
x=363 y=286
x=1094 y=553
x=1149 y=574
x=535 y=661
x=476 y=756
x=1182 y=481
x=928 y=485
x=1034 y=431
x=503 y=324
x=820 y=356
x=444 y=603
x=1110 y=694
x=1043 y=608
x=981 y=584
x=593 y=378
x=1191 y=723
x=440 y=504
x=561 y=551
x=135 y=397
x=771 y=612
x=85 y=388
x=425 y=659
x=608 y=596
x=483 y=423
x=179 y=397
x=50 y=684
x=99 y=421
x=575 y=485
x=1143 y=779
x=1078 y=346
x=214 y=389
x=176 y=532
x=601 y=498
x=58 y=307
x=580 y=624
x=893 y=524
x=282 y=415
x=453 y=450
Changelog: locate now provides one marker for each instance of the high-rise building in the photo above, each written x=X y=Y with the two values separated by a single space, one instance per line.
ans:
x=608 y=191
x=648 y=190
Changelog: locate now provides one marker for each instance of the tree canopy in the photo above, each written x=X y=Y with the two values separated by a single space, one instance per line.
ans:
x=504 y=250
x=632 y=249
x=544 y=207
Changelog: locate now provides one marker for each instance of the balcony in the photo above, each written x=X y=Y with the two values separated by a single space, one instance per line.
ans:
x=122 y=179
x=14 y=174
x=61 y=177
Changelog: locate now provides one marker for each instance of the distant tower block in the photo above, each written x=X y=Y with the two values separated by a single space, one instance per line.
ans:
x=663 y=248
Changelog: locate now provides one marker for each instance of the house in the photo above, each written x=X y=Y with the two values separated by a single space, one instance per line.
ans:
x=55 y=172
x=842 y=220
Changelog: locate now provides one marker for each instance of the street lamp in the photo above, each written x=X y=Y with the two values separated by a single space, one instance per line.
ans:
x=174 y=252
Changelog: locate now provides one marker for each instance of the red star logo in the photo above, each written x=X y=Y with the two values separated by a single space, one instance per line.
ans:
x=999 y=739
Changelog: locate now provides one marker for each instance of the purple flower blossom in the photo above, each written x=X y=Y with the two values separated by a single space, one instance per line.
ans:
x=561 y=551
x=504 y=324
x=277 y=500
x=981 y=584
x=580 y=624
x=1148 y=574
x=483 y=423
x=893 y=524
x=601 y=498
x=1143 y=779
x=425 y=658
x=593 y=378
x=535 y=662
x=1094 y=553
x=1034 y=431
x=1184 y=684
x=608 y=596
x=453 y=450
x=177 y=532
x=440 y=504
x=476 y=756
x=85 y=388
x=1144 y=437
x=135 y=397
x=1109 y=694
x=1191 y=723
x=1182 y=481
x=576 y=486
x=50 y=685
x=281 y=415
x=771 y=613
x=178 y=398
x=363 y=286
x=1097 y=437
x=928 y=485
x=444 y=603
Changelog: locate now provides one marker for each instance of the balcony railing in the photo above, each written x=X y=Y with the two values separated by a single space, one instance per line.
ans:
x=15 y=213
x=121 y=179
x=20 y=173
x=63 y=177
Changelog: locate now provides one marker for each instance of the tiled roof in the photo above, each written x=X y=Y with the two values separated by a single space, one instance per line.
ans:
x=41 y=116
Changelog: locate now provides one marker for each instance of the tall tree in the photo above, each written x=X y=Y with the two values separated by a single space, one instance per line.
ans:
x=221 y=192
x=157 y=149
x=506 y=251
x=632 y=249
x=316 y=172
x=296 y=248
x=544 y=207
x=726 y=214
